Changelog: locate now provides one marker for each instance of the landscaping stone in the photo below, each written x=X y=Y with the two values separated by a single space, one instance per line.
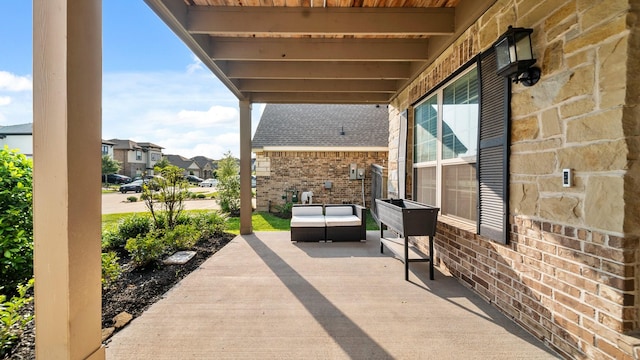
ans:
x=122 y=319
x=107 y=332
x=179 y=258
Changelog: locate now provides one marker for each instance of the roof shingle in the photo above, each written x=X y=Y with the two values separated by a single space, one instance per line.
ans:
x=315 y=125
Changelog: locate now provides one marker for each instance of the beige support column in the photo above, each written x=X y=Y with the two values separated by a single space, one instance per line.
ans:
x=245 y=168
x=67 y=90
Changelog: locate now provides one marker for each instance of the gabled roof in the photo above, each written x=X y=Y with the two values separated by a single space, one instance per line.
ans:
x=179 y=161
x=107 y=142
x=202 y=161
x=148 y=145
x=125 y=144
x=20 y=129
x=322 y=126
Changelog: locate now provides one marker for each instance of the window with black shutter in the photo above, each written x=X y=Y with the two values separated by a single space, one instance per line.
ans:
x=460 y=147
x=493 y=151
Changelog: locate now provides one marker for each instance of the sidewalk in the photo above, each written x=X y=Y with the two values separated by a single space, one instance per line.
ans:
x=263 y=297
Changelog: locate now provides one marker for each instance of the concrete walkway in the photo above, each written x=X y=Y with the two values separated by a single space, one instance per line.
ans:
x=263 y=297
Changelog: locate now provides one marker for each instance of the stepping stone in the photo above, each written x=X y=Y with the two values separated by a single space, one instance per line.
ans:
x=179 y=258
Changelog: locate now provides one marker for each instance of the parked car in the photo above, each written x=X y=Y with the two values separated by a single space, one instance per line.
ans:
x=209 y=183
x=132 y=186
x=116 y=179
x=253 y=181
x=193 y=179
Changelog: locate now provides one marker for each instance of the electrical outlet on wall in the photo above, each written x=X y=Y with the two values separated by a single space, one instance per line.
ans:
x=360 y=174
x=353 y=168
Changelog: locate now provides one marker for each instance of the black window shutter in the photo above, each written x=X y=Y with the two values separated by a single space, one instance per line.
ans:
x=493 y=151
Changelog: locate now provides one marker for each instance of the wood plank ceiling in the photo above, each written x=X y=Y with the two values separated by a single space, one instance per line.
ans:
x=318 y=51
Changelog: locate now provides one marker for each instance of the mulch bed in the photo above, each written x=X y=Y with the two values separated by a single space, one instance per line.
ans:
x=134 y=291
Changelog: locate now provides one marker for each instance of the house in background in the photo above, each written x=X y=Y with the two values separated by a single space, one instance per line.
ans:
x=206 y=165
x=107 y=148
x=136 y=158
x=188 y=166
x=18 y=137
x=311 y=147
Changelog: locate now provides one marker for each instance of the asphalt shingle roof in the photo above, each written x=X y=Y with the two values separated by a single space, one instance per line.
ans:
x=179 y=161
x=314 y=125
x=21 y=129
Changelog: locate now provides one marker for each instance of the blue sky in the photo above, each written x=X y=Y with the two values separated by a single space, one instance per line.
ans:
x=154 y=89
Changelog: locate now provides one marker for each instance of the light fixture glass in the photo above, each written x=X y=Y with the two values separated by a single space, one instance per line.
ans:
x=515 y=56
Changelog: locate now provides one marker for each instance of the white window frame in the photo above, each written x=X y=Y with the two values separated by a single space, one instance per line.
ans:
x=439 y=163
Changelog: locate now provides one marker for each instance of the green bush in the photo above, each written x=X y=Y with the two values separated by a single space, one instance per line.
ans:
x=201 y=196
x=132 y=199
x=16 y=219
x=182 y=237
x=229 y=195
x=211 y=224
x=134 y=225
x=111 y=239
x=110 y=268
x=146 y=249
x=12 y=321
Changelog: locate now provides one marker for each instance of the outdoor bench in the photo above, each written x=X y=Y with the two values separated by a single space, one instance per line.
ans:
x=331 y=222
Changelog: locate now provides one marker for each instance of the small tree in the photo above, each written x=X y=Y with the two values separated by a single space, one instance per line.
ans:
x=229 y=184
x=163 y=163
x=170 y=192
x=16 y=219
x=109 y=166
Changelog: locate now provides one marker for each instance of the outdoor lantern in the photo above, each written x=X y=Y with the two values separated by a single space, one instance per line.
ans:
x=515 y=56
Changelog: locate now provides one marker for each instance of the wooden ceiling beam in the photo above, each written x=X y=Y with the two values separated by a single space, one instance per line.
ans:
x=319 y=98
x=260 y=21
x=321 y=70
x=344 y=49
x=268 y=85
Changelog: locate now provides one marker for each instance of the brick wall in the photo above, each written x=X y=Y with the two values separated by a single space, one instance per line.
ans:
x=569 y=273
x=277 y=171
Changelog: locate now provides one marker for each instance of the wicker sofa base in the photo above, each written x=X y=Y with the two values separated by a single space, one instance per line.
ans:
x=308 y=234
x=344 y=233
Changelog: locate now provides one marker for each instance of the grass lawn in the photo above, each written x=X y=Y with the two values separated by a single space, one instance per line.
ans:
x=261 y=221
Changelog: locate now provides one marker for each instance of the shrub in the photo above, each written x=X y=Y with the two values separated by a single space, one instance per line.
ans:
x=110 y=268
x=146 y=249
x=229 y=195
x=16 y=219
x=132 y=199
x=211 y=224
x=182 y=237
x=132 y=226
x=111 y=239
x=201 y=196
x=12 y=320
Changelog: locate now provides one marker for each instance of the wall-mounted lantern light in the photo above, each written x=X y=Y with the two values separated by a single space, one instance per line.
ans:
x=515 y=56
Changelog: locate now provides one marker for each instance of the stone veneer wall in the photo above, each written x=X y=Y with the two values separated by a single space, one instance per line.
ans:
x=277 y=171
x=569 y=273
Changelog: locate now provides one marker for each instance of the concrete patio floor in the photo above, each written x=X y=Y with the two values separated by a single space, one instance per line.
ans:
x=263 y=297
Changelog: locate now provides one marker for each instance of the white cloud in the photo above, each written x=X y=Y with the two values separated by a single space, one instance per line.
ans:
x=196 y=65
x=15 y=99
x=11 y=82
x=187 y=113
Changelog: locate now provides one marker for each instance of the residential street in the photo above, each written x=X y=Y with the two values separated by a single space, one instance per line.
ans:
x=116 y=202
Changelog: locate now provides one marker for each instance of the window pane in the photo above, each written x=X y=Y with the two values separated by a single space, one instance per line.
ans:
x=459 y=188
x=460 y=117
x=426 y=185
x=426 y=130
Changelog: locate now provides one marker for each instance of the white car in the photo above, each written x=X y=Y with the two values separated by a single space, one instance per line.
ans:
x=209 y=183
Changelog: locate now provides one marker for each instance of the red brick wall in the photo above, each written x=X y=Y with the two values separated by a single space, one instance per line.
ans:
x=308 y=171
x=572 y=288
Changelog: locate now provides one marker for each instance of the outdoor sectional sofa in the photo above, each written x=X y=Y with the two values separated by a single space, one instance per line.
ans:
x=331 y=222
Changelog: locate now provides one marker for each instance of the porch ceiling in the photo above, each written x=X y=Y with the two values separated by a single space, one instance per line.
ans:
x=318 y=51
